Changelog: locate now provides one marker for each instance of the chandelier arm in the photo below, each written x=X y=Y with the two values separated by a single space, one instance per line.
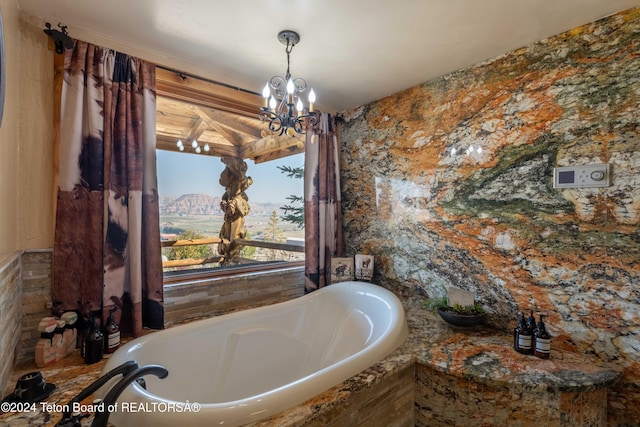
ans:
x=278 y=84
x=300 y=85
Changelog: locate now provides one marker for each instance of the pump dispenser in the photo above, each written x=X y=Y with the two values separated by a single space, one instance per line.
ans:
x=542 y=340
x=531 y=322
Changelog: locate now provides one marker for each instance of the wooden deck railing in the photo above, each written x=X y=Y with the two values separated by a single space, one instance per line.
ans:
x=218 y=258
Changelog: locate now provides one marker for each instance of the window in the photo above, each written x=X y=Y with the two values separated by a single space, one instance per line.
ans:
x=189 y=174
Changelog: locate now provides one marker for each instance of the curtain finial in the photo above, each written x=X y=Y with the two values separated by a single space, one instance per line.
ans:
x=61 y=38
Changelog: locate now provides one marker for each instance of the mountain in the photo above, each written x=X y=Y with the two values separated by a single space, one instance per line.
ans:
x=205 y=204
x=190 y=204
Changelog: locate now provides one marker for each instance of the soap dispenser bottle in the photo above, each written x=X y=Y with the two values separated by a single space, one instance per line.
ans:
x=543 y=340
x=111 y=333
x=93 y=343
x=523 y=337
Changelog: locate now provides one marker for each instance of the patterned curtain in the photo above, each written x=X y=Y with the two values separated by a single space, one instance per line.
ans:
x=107 y=238
x=322 y=209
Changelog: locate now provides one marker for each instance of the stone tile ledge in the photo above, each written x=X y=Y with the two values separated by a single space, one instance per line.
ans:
x=487 y=356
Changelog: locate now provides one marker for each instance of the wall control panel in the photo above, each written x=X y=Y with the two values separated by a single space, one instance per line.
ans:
x=581 y=176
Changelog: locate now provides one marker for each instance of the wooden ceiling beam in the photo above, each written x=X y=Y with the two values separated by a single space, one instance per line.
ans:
x=197 y=91
x=271 y=143
x=275 y=155
x=197 y=129
x=230 y=122
x=227 y=133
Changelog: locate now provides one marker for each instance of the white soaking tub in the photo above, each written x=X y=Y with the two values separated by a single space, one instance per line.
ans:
x=245 y=366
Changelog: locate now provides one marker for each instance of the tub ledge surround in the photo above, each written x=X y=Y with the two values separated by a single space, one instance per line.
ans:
x=458 y=377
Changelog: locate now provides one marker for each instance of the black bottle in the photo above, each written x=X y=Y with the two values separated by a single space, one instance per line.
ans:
x=522 y=337
x=542 y=347
x=111 y=333
x=93 y=343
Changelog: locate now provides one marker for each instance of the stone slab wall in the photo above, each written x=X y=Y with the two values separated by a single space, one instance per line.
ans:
x=36 y=298
x=450 y=183
x=213 y=297
x=10 y=314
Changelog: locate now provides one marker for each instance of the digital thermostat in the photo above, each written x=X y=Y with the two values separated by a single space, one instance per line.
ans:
x=581 y=176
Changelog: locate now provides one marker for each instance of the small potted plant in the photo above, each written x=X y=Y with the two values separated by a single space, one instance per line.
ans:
x=458 y=313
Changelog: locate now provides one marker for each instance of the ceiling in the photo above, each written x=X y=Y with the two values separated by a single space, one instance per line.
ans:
x=351 y=52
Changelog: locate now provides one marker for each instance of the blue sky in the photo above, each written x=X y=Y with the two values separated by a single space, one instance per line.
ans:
x=184 y=173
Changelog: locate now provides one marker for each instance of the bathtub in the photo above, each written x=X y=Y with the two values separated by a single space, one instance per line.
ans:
x=245 y=366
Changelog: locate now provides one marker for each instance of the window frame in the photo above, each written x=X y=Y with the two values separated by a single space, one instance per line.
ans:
x=195 y=90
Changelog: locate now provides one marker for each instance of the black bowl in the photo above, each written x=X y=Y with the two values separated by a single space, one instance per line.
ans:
x=456 y=319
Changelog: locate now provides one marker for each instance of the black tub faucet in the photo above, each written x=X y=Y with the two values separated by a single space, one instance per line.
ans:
x=69 y=419
x=101 y=419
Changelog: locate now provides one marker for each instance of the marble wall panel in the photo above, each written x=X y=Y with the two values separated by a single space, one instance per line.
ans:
x=450 y=183
x=445 y=400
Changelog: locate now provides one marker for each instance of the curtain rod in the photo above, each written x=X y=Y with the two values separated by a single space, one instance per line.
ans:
x=184 y=75
x=62 y=41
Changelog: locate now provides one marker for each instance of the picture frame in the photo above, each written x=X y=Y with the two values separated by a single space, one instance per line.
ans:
x=364 y=267
x=341 y=270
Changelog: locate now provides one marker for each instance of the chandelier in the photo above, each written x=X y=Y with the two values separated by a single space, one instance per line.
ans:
x=282 y=106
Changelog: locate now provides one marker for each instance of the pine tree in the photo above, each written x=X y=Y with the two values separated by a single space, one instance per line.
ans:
x=294 y=212
x=273 y=231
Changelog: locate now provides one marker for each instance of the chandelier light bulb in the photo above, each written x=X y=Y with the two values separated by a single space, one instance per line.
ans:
x=181 y=147
x=206 y=148
x=272 y=103
x=312 y=100
x=265 y=95
x=299 y=106
x=198 y=150
x=179 y=143
x=194 y=143
x=290 y=90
